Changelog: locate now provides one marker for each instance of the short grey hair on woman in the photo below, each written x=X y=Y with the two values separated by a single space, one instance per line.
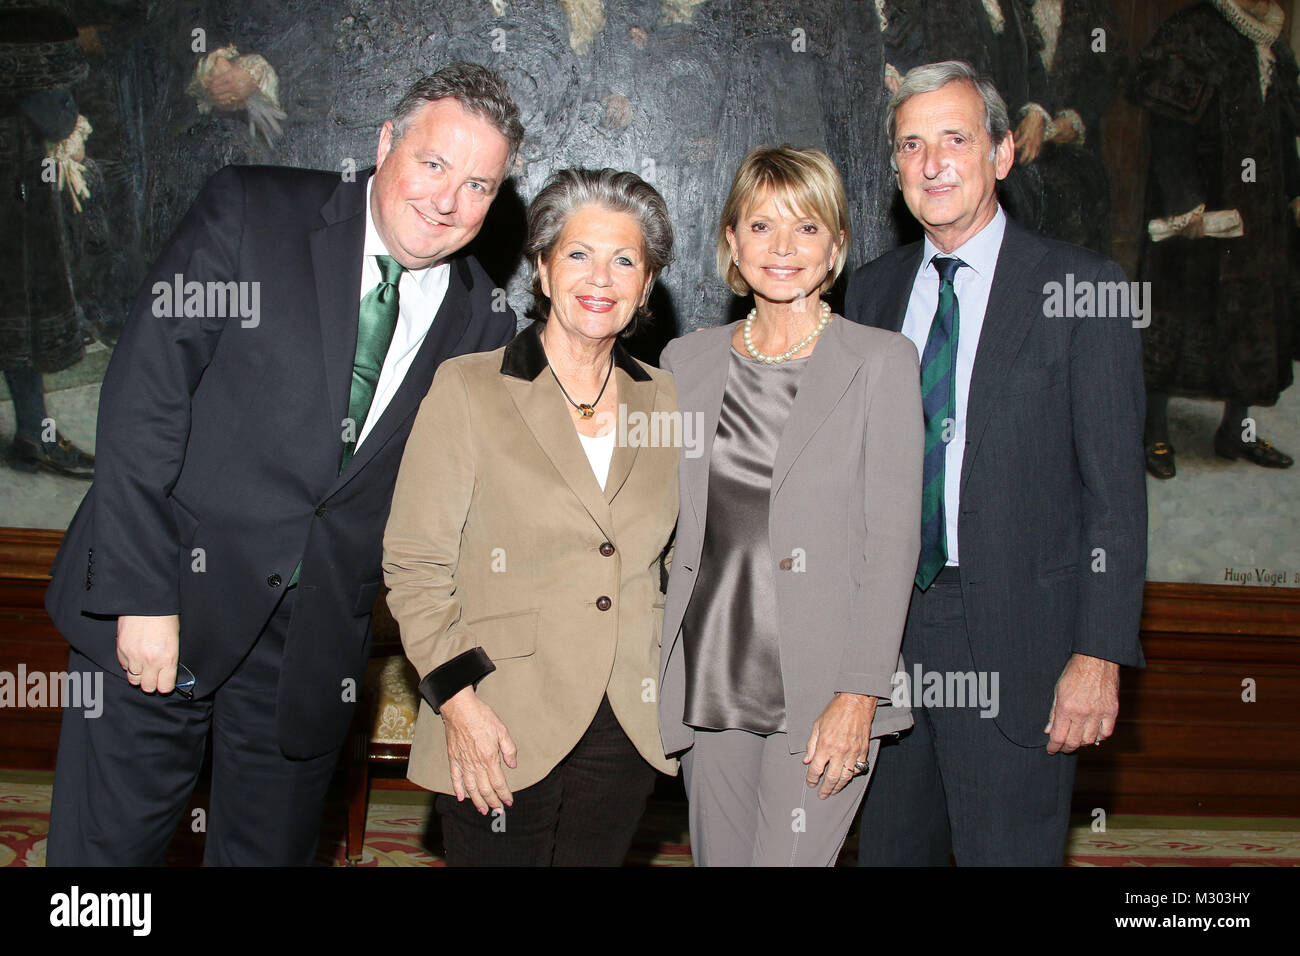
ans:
x=567 y=191
x=479 y=90
x=933 y=76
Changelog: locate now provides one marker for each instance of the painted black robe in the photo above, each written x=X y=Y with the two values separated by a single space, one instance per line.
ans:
x=39 y=327
x=1076 y=189
x=1222 y=326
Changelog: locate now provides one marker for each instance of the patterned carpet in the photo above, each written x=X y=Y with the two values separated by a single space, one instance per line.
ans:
x=398 y=833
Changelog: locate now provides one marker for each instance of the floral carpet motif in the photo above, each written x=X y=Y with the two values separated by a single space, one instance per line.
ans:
x=398 y=834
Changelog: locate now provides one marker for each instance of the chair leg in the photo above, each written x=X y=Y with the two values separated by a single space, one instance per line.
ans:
x=358 y=793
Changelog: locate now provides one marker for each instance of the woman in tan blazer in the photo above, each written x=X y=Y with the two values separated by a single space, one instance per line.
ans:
x=525 y=547
x=798 y=537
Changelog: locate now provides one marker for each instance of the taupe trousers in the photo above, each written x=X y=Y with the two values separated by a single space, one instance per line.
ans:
x=750 y=803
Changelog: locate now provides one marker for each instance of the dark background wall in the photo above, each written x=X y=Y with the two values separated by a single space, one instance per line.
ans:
x=676 y=91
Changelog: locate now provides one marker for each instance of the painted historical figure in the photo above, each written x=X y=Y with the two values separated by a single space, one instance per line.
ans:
x=41 y=145
x=1218 y=82
x=1083 y=58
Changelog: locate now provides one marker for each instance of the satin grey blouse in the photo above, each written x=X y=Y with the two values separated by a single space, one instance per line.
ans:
x=729 y=632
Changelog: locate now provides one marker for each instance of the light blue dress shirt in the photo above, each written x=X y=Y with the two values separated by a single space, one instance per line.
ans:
x=972 y=285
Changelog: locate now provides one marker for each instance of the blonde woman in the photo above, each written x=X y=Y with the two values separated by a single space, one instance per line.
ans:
x=798 y=536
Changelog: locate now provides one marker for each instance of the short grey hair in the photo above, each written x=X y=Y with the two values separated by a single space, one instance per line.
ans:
x=610 y=189
x=933 y=76
x=479 y=90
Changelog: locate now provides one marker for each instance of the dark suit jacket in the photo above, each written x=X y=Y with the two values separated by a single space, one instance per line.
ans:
x=219 y=441
x=1052 y=472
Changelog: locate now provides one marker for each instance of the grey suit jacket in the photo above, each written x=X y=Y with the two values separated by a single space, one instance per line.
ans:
x=1052 y=528
x=845 y=502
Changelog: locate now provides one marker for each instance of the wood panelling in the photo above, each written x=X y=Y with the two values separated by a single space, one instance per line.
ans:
x=1187 y=741
x=28 y=737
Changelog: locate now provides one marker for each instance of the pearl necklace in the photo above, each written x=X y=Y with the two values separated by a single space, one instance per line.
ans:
x=793 y=350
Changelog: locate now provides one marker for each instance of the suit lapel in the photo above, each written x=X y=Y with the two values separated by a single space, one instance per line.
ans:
x=545 y=411
x=1013 y=304
x=634 y=397
x=900 y=289
x=895 y=292
x=700 y=390
x=829 y=372
x=336 y=250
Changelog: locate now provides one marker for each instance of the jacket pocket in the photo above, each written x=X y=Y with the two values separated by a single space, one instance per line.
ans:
x=187 y=524
x=1033 y=379
x=366 y=595
x=1058 y=572
x=504 y=636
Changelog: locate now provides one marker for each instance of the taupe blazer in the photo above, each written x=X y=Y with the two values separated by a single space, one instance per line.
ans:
x=845 y=507
x=500 y=538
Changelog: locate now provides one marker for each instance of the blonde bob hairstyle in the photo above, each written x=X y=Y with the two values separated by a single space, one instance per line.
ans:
x=804 y=179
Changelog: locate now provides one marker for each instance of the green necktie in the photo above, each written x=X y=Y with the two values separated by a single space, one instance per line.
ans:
x=376 y=321
x=377 y=318
x=939 y=403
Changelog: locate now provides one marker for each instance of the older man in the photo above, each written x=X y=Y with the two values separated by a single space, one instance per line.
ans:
x=222 y=567
x=1033 y=554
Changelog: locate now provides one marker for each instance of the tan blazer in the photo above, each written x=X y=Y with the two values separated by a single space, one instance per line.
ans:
x=844 y=520
x=495 y=541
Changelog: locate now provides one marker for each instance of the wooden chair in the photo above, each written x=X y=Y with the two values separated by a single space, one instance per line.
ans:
x=379 y=743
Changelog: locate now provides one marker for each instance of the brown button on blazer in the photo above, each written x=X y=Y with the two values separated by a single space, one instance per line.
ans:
x=499 y=538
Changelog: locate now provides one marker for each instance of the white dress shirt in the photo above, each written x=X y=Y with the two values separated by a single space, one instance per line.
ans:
x=972 y=285
x=600 y=452
x=419 y=296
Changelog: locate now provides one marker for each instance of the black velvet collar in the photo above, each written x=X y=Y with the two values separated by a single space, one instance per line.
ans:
x=525 y=358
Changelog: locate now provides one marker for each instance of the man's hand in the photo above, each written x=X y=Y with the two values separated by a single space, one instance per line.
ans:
x=1195 y=228
x=148 y=649
x=230 y=85
x=1085 y=704
x=1064 y=133
x=477 y=741
x=840 y=739
x=1029 y=136
x=1295 y=210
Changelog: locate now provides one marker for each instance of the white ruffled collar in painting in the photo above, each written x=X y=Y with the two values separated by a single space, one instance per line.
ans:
x=1262 y=33
x=996 y=20
x=1047 y=17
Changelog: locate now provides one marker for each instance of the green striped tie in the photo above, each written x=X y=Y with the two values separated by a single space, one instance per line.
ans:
x=376 y=322
x=377 y=318
x=939 y=403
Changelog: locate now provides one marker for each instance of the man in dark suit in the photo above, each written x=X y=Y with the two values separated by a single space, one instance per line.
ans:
x=1033 y=554
x=250 y=428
